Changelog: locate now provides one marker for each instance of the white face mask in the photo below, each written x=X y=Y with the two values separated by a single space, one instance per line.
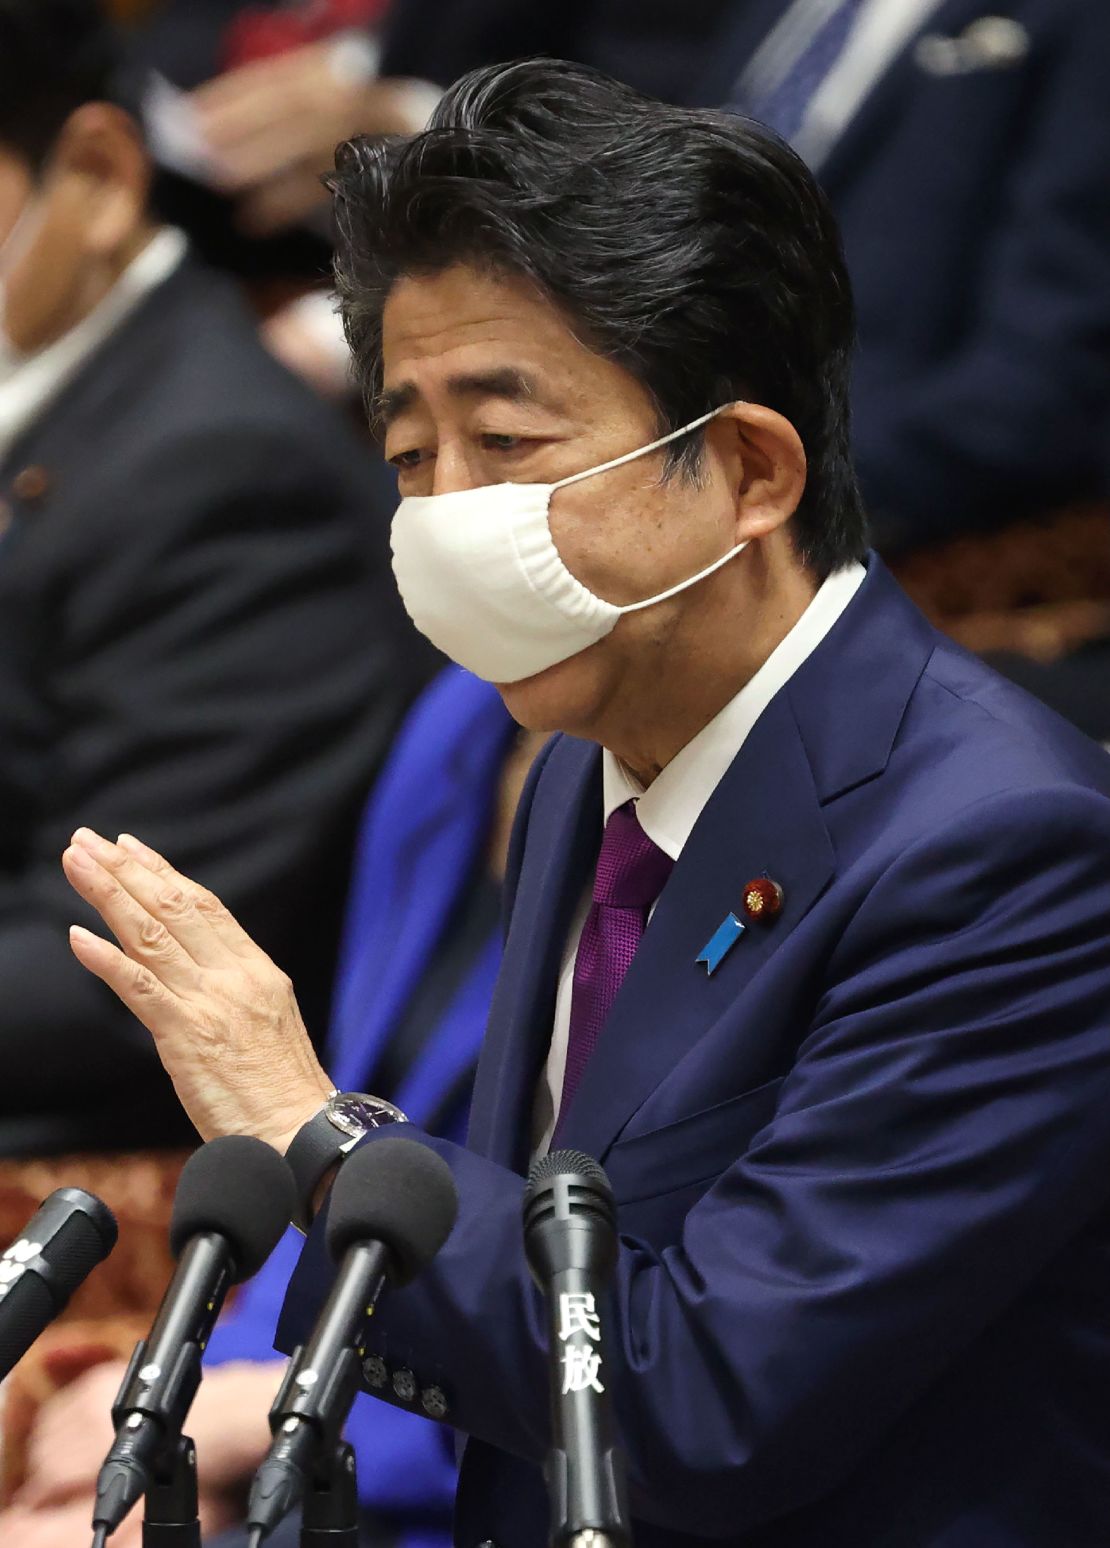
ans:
x=480 y=575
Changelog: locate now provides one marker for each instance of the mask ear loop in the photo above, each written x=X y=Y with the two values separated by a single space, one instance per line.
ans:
x=641 y=451
x=664 y=596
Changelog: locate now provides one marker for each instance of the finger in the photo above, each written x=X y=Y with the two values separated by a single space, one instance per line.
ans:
x=67 y=1447
x=250 y=127
x=281 y=202
x=171 y=901
x=145 y=939
x=54 y=1528
x=51 y=1491
x=236 y=90
x=204 y=903
x=272 y=151
x=145 y=996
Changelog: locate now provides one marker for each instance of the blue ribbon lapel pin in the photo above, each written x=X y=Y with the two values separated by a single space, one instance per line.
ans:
x=720 y=943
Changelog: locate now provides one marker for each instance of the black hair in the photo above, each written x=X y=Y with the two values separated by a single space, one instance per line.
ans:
x=693 y=248
x=55 y=55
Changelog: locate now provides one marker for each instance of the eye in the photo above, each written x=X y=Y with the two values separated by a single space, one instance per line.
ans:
x=406 y=459
x=495 y=443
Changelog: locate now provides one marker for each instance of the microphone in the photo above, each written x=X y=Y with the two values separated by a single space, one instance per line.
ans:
x=570 y=1241
x=68 y=1235
x=392 y=1207
x=234 y=1200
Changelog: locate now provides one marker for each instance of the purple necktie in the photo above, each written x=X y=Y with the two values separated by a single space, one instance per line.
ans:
x=631 y=873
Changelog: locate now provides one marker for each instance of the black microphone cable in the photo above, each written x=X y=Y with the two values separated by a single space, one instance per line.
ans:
x=391 y=1209
x=570 y=1241
x=233 y=1203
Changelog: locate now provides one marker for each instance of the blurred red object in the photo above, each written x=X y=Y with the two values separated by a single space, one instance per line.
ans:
x=261 y=33
x=114 y=1306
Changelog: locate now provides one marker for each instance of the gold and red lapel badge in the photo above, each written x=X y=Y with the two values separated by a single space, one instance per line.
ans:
x=763 y=899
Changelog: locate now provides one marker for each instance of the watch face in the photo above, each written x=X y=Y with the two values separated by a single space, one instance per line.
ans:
x=354 y=1113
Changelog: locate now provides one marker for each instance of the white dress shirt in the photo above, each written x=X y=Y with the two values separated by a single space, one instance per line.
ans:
x=668 y=809
x=882 y=30
x=38 y=379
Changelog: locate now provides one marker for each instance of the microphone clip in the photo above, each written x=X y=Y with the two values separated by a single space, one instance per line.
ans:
x=170 y=1512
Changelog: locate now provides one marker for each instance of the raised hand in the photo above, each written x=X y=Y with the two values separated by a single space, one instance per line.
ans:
x=223 y=1016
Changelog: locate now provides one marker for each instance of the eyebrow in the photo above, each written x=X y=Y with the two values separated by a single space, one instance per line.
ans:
x=505 y=382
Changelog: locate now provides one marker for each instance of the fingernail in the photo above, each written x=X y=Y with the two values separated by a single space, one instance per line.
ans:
x=135 y=846
x=94 y=843
x=79 y=858
x=79 y=933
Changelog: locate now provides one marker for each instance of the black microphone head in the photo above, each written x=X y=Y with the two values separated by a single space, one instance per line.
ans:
x=567 y=1163
x=566 y=1186
x=243 y=1190
x=68 y=1235
x=86 y=1237
x=395 y=1191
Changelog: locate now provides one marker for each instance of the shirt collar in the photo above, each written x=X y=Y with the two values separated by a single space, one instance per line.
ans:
x=674 y=801
x=42 y=376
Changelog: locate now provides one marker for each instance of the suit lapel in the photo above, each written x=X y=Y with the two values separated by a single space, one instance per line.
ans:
x=830 y=729
x=891 y=88
x=564 y=832
x=763 y=816
x=103 y=384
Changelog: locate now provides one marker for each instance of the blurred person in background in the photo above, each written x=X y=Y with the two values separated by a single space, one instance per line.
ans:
x=271 y=123
x=964 y=146
x=198 y=633
x=422 y=950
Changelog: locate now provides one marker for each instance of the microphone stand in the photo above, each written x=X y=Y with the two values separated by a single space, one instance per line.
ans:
x=330 y=1511
x=170 y=1516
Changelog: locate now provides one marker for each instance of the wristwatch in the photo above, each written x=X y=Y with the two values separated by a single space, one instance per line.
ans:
x=345 y=1118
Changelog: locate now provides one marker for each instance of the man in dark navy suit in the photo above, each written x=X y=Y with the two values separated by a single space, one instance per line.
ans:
x=808 y=912
x=197 y=632
x=963 y=144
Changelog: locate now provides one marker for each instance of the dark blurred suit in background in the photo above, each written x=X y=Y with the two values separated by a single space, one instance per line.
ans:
x=200 y=640
x=658 y=46
x=964 y=144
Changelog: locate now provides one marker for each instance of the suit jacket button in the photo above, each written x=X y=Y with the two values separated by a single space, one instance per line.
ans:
x=404 y=1385
x=31 y=484
x=375 y=1372
x=433 y=1400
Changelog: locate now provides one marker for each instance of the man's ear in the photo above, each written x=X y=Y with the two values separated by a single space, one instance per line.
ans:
x=765 y=463
x=101 y=158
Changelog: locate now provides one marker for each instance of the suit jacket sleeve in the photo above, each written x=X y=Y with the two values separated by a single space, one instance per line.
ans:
x=940 y=1136
x=1016 y=418
x=407 y=1466
x=227 y=676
